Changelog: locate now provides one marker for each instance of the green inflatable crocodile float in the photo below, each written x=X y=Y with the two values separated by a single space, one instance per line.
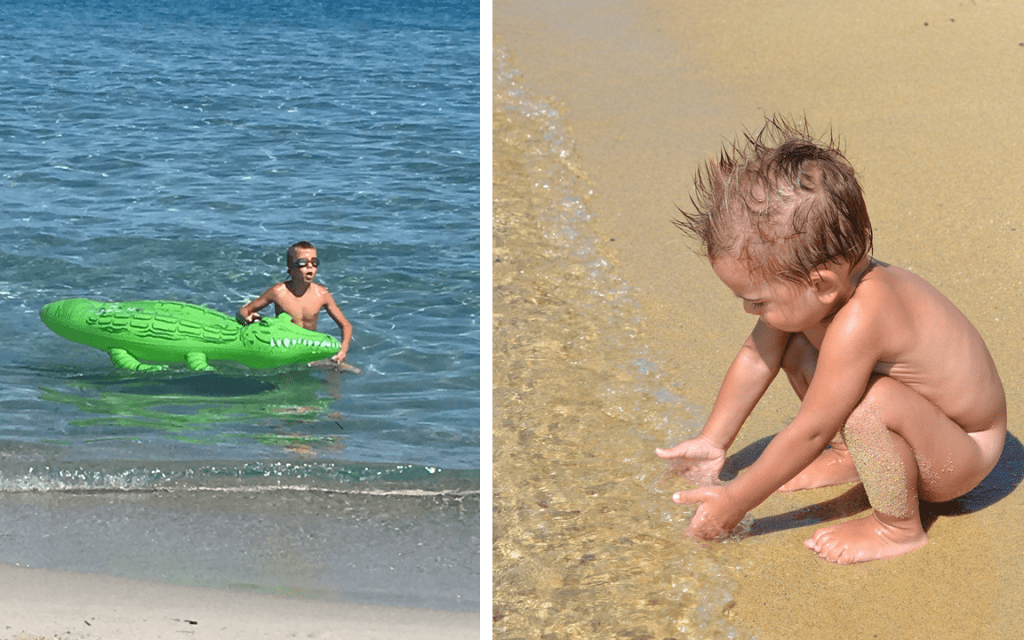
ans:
x=167 y=331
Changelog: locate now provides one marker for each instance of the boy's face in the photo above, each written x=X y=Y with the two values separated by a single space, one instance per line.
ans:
x=303 y=264
x=786 y=306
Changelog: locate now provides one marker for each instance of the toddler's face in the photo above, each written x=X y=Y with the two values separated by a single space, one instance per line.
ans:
x=786 y=306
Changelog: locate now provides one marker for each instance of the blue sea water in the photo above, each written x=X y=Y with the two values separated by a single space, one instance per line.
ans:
x=173 y=150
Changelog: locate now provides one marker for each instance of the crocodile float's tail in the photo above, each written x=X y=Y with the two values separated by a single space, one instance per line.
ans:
x=66 y=317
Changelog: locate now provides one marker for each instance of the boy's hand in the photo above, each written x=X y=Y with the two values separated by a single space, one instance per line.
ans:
x=339 y=357
x=712 y=520
x=249 y=319
x=698 y=460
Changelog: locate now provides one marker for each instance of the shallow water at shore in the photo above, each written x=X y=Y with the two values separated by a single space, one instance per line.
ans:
x=356 y=547
x=587 y=542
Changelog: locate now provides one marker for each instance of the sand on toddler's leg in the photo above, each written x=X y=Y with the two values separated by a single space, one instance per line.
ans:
x=889 y=473
x=877 y=460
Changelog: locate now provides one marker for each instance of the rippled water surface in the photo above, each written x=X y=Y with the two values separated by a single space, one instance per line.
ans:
x=173 y=150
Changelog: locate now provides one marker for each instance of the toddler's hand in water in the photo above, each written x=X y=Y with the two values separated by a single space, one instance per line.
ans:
x=698 y=460
x=713 y=519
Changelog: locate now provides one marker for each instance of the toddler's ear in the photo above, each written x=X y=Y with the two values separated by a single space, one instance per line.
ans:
x=826 y=285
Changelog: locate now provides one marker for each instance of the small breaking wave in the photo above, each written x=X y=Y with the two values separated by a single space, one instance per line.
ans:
x=324 y=477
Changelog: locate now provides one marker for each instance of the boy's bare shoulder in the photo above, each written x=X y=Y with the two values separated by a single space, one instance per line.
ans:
x=320 y=291
x=275 y=291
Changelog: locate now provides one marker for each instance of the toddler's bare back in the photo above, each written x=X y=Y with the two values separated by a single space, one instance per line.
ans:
x=931 y=347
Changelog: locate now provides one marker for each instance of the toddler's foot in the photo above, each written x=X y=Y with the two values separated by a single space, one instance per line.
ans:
x=869 y=538
x=833 y=466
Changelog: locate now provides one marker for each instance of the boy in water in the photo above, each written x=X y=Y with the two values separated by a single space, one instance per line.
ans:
x=301 y=298
x=882 y=362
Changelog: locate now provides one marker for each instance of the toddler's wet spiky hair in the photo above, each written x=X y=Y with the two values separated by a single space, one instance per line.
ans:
x=782 y=202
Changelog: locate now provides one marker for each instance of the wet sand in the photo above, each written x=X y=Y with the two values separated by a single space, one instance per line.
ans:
x=927 y=97
x=37 y=603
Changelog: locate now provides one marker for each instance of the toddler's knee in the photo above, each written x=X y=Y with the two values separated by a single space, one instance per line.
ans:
x=790 y=362
x=867 y=416
x=799 y=361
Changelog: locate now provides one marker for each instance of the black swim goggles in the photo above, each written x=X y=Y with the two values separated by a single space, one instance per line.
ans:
x=301 y=262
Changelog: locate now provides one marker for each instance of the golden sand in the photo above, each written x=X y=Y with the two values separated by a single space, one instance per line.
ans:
x=927 y=96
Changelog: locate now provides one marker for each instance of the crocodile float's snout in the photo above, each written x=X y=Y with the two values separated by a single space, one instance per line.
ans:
x=289 y=341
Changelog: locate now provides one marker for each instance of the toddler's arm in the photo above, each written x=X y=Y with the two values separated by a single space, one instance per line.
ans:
x=848 y=355
x=755 y=366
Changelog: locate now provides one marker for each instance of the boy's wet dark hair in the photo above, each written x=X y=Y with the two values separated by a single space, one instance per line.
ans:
x=302 y=244
x=782 y=202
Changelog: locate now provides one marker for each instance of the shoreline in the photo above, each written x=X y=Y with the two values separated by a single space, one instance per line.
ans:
x=245 y=561
x=73 y=606
x=930 y=123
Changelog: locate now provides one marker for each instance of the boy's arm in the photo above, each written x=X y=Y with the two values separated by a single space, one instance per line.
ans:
x=849 y=352
x=248 y=314
x=343 y=324
x=749 y=375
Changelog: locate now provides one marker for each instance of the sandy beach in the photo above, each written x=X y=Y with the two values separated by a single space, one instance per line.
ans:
x=926 y=97
x=212 y=564
x=38 y=603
